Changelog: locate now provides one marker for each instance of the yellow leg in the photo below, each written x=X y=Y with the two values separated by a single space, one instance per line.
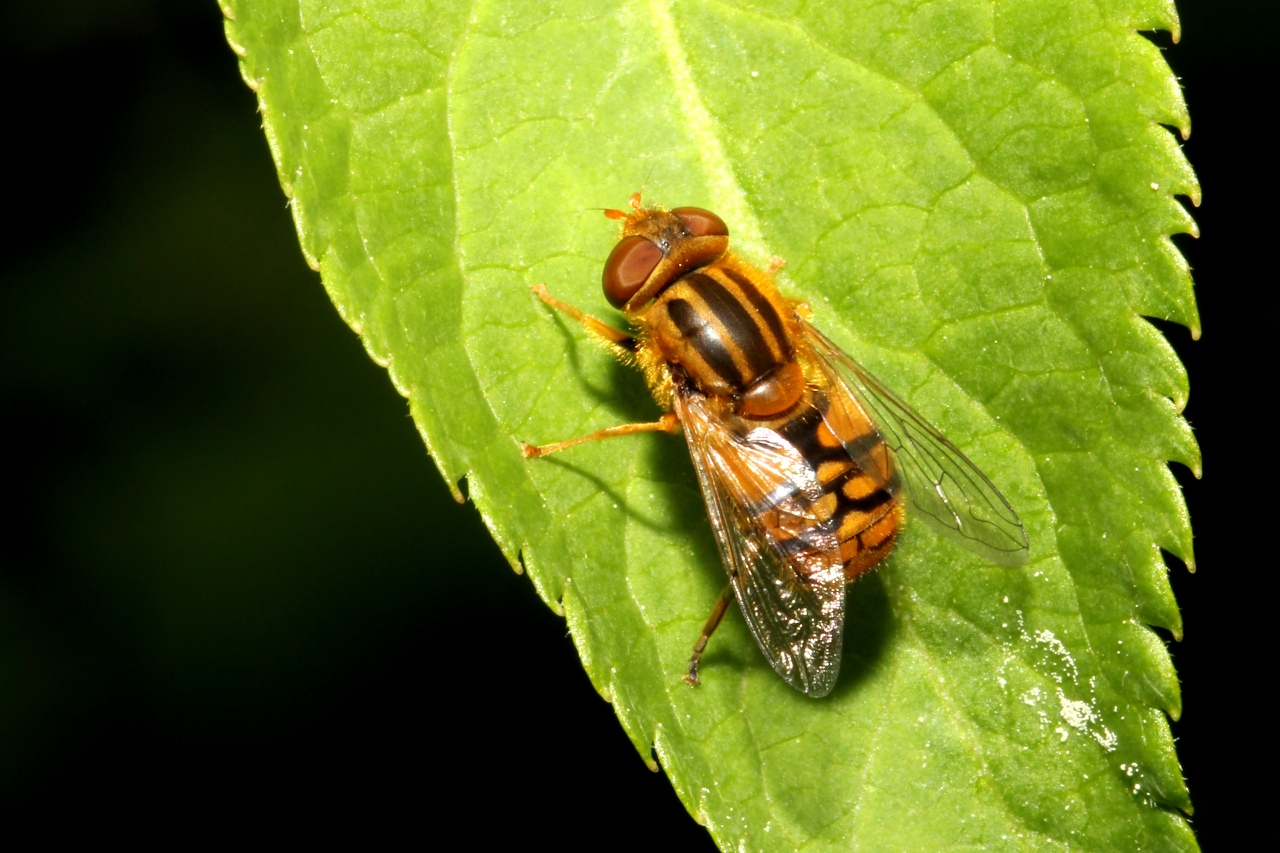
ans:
x=713 y=622
x=667 y=423
x=593 y=325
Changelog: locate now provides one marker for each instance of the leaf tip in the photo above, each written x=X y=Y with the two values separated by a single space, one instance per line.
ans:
x=1173 y=701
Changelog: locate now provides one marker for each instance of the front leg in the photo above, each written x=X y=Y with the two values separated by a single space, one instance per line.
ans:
x=595 y=327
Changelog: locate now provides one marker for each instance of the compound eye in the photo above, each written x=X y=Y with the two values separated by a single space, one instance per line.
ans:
x=701 y=223
x=628 y=268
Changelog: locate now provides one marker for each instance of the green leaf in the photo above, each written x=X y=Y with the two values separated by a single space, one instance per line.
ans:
x=976 y=199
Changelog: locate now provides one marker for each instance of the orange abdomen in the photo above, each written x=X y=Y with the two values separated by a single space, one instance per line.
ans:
x=858 y=478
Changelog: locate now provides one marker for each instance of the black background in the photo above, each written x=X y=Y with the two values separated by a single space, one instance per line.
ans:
x=234 y=589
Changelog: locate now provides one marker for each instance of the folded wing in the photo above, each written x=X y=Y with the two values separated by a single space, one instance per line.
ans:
x=783 y=559
x=944 y=488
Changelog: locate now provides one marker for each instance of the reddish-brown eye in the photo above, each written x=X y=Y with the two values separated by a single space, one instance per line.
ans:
x=628 y=268
x=701 y=223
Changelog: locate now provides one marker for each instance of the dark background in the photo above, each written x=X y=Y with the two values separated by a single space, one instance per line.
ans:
x=232 y=583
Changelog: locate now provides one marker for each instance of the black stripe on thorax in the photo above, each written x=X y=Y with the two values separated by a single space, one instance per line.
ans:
x=706 y=340
x=737 y=322
x=763 y=307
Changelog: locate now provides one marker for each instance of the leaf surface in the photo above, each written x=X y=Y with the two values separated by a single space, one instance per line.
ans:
x=975 y=198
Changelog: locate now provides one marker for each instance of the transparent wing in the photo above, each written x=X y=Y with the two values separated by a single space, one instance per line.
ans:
x=944 y=488
x=783 y=561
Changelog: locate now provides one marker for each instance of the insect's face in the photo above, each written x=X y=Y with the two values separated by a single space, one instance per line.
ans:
x=657 y=247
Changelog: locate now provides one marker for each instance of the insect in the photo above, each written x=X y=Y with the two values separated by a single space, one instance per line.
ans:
x=808 y=464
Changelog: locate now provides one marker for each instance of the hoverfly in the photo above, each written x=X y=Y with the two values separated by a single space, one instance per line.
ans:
x=807 y=462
